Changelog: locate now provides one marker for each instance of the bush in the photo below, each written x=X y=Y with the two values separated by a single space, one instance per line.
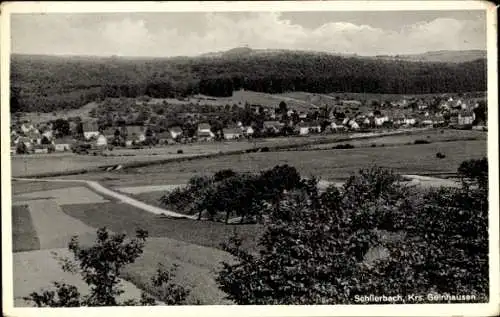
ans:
x=100 y=267
x=420 y=141
x=343 y=147
x=264 y=149
x=313 y=249
x=223 y=174
x=440 y=155
x=180 y=152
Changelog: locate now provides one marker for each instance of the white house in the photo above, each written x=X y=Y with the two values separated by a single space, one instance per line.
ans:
x=101 y=141
x=62 y=145
x=248 y=131
x=175 y=132
x=465 y=117
x=90 y=129
x=204 y=130
x=410 y=121
x=353 y=125
x=232 y=133
x=304 y=128
x=379 y=121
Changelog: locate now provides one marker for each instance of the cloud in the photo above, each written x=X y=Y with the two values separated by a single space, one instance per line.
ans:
x=222 y=31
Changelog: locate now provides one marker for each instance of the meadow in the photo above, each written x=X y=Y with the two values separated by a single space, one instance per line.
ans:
x=36 y=164
x=329 y=165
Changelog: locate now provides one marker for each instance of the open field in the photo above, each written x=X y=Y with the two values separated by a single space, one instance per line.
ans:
x=120 y=217
x=36 y=270
x=445 y=135
x=197 y=268
x=24 y=236
x=43 y=224
x=34 y=164
x=39 y=117
x=328 y=164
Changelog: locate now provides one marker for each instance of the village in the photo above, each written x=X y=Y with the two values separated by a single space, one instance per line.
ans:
x=253 y=121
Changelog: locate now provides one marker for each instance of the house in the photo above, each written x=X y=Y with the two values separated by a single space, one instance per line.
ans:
x=27 y=127
x=204 y=131
x=48 y=133
x=380 y=120
x=34 y=136
x=204 y=136
x=247 y=131
x=337 y=126
x=410 y=121
x=41 y=150
x=232 y=133
x=90 y=129
x=109 y=133
x=63 y=144
x=175 y=132
x=135 y=133
x=303 y=128
x=272 y=126
x=101 y=141
x=165 y=138
x=27 y=141
x=465 y=117
x=353 y=125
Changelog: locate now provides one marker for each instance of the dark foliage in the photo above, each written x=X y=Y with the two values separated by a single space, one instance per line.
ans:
x=314 y=247
x=48 y=83
x=419 y=141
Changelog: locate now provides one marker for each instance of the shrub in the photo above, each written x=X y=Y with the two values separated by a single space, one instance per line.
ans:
x=223 y=174
x=420 y=141
x=440 y=155
x=475 y=171
x=100 y=266
x=264 y=149
x=180 y=152
x=374 y=145
x=313 y=249
x=343 y=146
x=21 y=148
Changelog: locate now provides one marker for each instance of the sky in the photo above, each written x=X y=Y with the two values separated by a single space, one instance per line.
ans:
x=165 y=34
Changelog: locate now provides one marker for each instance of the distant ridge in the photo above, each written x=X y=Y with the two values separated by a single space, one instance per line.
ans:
x=443 y=56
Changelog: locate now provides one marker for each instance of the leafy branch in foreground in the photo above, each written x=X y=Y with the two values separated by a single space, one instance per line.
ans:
x=100 y=266
x=315 y=246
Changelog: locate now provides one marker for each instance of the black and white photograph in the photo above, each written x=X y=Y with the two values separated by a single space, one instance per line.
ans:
x=331 y=157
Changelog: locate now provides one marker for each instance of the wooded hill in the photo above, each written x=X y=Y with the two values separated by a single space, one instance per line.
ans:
x=48 y=83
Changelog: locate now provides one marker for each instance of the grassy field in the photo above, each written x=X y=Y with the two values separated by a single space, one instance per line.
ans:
x=445 y=135
x=33 y=164
x=24 y=236
x=120 y=217
x=22 y=187
x=196 y=271
x=39 y=117
x=328 y=164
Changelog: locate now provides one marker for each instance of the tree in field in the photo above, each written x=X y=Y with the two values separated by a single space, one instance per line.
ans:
x=283 y=108
x=45 y=140
x=274 y=182
x=315 y=246
x=61 y=127
x=100 y=267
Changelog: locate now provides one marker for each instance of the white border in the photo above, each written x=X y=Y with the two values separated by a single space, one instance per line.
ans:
x=490 y=309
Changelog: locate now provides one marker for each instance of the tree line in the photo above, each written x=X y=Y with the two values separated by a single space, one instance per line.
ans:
x=41 y=85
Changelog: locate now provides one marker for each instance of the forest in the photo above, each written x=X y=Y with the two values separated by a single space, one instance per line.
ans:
x=49 y=83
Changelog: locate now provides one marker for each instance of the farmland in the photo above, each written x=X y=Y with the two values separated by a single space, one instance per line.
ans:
x=326 y=164
x=69 y=208
x=34 y=164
